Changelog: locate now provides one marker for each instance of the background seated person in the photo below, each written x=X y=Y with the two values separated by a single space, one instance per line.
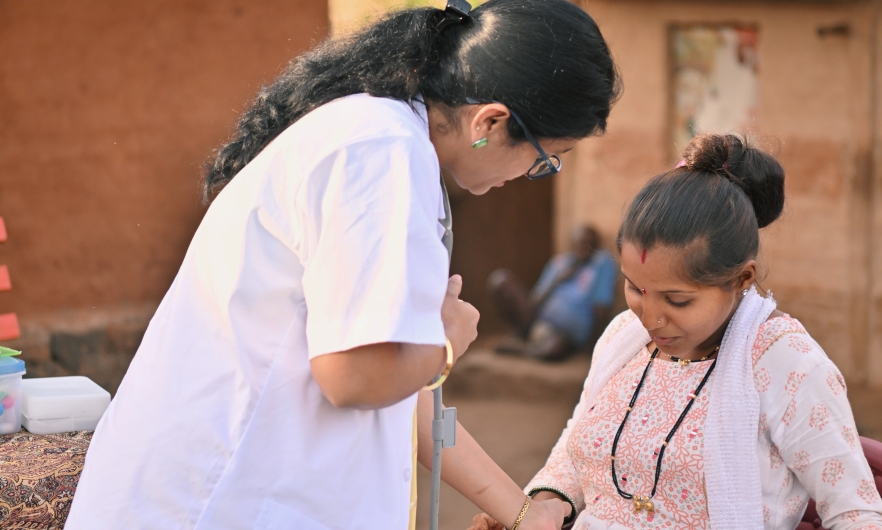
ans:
x=570 y=301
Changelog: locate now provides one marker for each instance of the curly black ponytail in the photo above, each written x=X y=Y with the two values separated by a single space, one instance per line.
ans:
x=544 y=58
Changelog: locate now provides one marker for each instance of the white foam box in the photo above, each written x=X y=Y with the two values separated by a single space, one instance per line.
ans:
x=51 y=405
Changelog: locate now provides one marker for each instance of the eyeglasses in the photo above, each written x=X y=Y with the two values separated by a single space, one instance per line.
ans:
x=545 y=165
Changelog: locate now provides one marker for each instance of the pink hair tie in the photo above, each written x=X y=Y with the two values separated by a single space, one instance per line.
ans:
x=682 y=163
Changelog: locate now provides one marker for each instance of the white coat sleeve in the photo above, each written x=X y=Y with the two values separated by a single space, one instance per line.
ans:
x=375 y=269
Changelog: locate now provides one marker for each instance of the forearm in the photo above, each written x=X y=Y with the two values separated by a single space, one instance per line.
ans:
x=468 y=469
x=377 y=375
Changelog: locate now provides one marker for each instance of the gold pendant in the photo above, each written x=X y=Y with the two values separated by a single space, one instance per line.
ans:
x=638 y=504
x=683 y=362
x=643 y=503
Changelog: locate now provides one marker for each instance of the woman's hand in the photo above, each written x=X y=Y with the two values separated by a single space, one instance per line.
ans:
x=482 y=521
x=460 y=318
x=542 y=515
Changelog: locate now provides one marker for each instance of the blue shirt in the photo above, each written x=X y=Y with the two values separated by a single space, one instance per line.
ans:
x=570 y=308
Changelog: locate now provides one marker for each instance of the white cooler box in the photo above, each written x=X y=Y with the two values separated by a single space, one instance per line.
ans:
x=52 y=405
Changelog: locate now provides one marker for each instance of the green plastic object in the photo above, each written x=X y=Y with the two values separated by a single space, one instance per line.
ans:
x=8 y=352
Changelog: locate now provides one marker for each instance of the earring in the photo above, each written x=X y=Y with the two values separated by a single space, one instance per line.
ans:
x=480 y=143
x=744 y=292
x=659 y=321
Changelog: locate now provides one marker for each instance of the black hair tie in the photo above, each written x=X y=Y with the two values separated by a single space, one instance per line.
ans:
x=455 y=12
x=461 y=8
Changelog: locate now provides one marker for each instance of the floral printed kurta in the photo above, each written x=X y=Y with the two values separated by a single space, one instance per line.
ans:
x=807 y=444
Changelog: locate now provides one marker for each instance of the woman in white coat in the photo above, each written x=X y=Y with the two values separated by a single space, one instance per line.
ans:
x=277 y=383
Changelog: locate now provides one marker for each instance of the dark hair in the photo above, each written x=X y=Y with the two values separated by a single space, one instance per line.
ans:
x=712 y=206
x=546 y=59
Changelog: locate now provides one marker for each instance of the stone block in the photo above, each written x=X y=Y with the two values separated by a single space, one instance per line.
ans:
x=73 y=350
x=103 y=355
x=484 y=374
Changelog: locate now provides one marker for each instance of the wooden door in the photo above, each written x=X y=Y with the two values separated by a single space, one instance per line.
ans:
x=507 y=227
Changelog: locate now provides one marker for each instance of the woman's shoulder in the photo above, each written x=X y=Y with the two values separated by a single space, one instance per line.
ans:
x=793 y=374
x=362 y=125
x=783 y=340
x=356 y=136
x=363 y=117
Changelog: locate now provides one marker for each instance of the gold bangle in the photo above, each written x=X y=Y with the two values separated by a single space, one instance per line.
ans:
x=521 y=515
x=435 y=383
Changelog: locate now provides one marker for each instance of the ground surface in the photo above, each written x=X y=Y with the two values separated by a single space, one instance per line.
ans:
x=516 y=408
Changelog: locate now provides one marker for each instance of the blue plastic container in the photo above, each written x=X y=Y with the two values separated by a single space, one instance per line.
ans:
x=11 y=370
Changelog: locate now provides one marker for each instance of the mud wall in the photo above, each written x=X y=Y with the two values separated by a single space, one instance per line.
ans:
x=107 y=111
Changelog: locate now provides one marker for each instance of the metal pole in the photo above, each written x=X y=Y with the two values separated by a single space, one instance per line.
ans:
x=441 y=430
x=436 y=462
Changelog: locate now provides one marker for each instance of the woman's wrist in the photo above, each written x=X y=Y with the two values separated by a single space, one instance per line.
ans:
x=507 y=507
x=541 y=493
x=521 y=514
x=439 y=380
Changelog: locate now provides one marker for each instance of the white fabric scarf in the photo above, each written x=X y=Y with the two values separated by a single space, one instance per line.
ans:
x=732 y=474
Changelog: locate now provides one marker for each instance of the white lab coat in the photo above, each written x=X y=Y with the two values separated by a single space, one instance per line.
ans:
x=328 y=240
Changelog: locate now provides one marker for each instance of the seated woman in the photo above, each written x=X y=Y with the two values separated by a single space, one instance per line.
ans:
x=705 y=407
x=570 y=301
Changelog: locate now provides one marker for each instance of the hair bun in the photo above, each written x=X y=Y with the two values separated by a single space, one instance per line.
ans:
x=754 y=171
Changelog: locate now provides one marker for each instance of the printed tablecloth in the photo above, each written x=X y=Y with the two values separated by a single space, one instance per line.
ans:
x=38 y=477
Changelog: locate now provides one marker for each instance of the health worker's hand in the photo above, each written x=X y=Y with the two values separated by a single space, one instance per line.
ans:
x=482 y=521
x=460 y=318
x=545 y=515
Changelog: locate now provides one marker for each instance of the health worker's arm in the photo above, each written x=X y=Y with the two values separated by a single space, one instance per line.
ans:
x=375 y=270
x=470 y=471
x=559 y=472
x=378 y=375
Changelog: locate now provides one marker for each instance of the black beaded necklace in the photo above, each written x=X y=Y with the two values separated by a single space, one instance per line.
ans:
x=645 y=503
x=687 y=362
